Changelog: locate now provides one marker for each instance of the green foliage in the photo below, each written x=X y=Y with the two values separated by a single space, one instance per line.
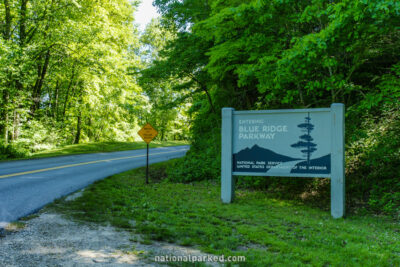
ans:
x=168 y=107
x=64 y=71
x=373 y=161
x=203 y=161
x=67 y=75
x=37 y=135
x=8 y=151
x=289 y=54
x=21 y=149
x=196 y=166
x=267 y=231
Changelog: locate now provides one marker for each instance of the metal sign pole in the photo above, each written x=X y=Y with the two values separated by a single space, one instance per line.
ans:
x=148 y=133
x=147 y=165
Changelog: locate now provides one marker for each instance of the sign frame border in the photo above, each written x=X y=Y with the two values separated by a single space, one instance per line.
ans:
x=337 y=174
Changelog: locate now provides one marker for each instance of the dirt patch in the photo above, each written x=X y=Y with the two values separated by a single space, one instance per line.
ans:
x=50 y=239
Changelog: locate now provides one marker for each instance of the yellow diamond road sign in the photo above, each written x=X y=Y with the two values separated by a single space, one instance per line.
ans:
x=148 y=133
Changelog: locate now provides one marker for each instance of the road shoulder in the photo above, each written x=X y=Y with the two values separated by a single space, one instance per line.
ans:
x=51 y=239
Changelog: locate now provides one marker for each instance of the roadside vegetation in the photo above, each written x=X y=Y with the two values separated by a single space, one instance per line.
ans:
x=96 y=148
x=266 y=228
x=68 y=75
x=257 y=55
x=74 y=72
x=79 y=72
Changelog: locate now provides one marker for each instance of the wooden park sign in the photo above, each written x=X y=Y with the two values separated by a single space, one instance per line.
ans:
x=294 y=143
x=148 y=133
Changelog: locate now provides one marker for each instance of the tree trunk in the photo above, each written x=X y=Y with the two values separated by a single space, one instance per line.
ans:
x=333 y=92
x=6 y=94
x=209 y=98
x=68 y=90
x=78 y=131
x=22 y=23
x=6 y=99
x=54 y=105
x=162 y=134
x=15 y=133
x=6 y=128
x=204 y=88
x=7 y=26
x=37 y=90
x=89 y=129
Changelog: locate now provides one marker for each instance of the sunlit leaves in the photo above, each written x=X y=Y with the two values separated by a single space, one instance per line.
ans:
x=91 y=45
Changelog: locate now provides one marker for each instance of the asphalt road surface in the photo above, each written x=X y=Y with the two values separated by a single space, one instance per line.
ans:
x=28 y=185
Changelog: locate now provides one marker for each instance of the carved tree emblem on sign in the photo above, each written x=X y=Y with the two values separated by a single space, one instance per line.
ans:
x=306 y=139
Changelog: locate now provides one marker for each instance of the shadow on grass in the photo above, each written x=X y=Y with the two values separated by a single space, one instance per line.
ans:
x=102 y=147
x=267 y=231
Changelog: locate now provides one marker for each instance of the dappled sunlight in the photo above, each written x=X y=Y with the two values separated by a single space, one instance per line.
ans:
x=51 y=240
x=103 y=256
x=100 y=147
x=281 y=203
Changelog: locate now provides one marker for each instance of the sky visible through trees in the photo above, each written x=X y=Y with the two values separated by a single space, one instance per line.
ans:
x=69 y=72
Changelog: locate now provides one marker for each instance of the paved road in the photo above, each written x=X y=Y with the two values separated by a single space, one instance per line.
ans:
x=28 y=185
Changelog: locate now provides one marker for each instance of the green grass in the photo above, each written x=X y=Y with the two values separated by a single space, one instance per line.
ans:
x=267 y=231
x=101 y=147
x=15 y=226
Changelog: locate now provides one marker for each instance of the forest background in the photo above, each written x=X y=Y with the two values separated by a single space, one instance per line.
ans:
x=74 y=71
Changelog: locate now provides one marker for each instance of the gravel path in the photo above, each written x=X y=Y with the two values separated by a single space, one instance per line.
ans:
x=52 y=240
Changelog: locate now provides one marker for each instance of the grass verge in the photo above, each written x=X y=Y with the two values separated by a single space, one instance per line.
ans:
x=100 y=147
x=265 y=230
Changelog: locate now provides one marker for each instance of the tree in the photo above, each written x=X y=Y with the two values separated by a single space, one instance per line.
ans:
x=306 y=139
x=64 y=68
x=257 y=54
x=167 y=105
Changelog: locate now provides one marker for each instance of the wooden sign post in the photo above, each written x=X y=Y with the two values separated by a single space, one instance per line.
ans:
x=291 y=143
x=148 y=133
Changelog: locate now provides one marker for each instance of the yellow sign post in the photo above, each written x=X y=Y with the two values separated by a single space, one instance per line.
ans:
x=148 y=133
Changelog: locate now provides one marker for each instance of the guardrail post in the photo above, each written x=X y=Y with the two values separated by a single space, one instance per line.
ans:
x=227 y=182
